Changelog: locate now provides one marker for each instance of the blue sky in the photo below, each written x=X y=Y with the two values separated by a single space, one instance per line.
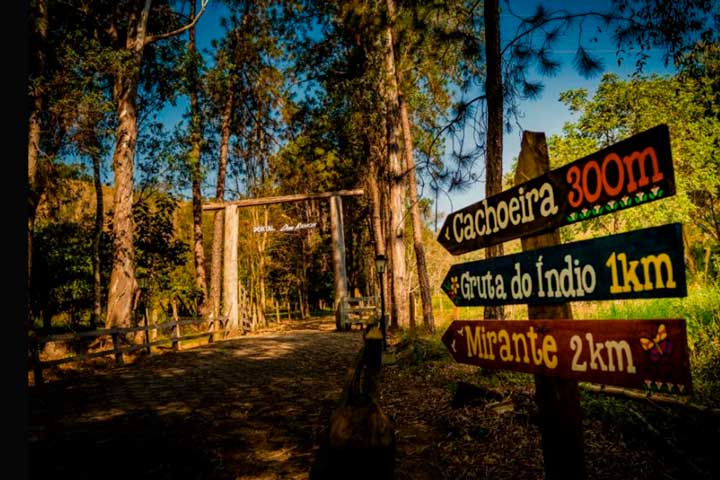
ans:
x=545 y=114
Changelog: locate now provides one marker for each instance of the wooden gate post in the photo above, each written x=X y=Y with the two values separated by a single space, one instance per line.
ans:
x=558 y=399
x=230 y=268
x=338 y=242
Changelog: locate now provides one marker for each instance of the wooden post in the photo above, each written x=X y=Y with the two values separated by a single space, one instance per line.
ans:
x=116 y=347
x=147 y=331
x=277 y=311
x=372 y=360
x=338 y=241
x=412 y=311
x=37 y=366
x=176 y=334
x=558 y=399
x=230 y=267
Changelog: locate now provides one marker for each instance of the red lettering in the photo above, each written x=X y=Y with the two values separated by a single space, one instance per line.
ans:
x=573 y=199
x=613 y=191
x=591 y=165
x=640 y=158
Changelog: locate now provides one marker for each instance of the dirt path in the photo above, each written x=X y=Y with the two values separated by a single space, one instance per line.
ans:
x=250 y=408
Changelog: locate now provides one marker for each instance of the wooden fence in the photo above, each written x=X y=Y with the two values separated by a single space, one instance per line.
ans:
x=362 y=310
x=120 y=343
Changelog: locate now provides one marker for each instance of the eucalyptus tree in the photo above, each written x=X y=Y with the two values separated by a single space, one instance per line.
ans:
x=192 y=80
x=424 y=74
x=132 y=27
x=244 y=89
x=131 y=39
x=358 y=71
x=71 y=114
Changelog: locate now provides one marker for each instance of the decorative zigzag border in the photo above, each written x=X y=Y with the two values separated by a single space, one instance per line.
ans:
x=663 y=387
x=613 y=205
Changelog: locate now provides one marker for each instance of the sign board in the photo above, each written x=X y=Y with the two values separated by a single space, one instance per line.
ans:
x=635 y=171
x=647 y=354
x=645 y=263
x=286 y=228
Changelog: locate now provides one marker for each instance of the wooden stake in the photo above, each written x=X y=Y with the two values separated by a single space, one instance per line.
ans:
x=116 y=347
x=558 y=399
x=37 y=366
x=147 y=330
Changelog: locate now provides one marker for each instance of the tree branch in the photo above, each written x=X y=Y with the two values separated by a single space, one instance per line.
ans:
x=154 y=38
x=458 y=117
x=651 y=397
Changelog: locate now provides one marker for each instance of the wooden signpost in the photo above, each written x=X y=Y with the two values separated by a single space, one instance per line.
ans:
x=650 y=354
x=645 y=263
x=629 y=173
x=646 y=354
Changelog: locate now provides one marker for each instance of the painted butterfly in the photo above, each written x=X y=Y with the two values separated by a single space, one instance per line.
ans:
x=658 y=346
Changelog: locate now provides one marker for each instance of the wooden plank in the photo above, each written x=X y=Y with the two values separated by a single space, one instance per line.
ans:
x=635 y=171
x=646 y=263
x=193 y=336
x=651 y=355
x=79 y=358
x=252 y=202
x=65 y=337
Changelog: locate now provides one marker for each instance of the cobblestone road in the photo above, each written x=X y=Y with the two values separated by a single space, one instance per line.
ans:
x=249 y=408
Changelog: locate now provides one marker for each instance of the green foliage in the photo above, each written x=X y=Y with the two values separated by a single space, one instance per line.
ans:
x=62 y=273
x=701 y=311
x=158 y=252
x=621 y=108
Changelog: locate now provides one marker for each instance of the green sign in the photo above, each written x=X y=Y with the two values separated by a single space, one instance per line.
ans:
x=645 y=263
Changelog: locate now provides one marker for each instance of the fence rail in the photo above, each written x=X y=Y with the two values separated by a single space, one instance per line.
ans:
x=117 y=335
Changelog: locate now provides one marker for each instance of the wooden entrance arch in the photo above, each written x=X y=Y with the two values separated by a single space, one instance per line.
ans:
x=230 y=237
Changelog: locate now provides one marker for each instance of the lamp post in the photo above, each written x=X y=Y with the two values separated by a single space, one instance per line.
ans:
x=380 y=265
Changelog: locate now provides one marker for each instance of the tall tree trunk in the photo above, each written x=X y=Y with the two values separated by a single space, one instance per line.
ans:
x=122 y=277
x=493 y=145
x=397 y=188
x=195 y=170
x=376 y=208
x=97 y=235
x=423 y=281
x=40 y=28
x=217 y=244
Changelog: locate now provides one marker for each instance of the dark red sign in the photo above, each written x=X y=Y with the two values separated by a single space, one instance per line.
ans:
x=646 y=354
x=635 y=171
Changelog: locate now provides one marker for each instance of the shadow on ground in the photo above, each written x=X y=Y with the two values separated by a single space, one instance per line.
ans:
x=253 y=407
